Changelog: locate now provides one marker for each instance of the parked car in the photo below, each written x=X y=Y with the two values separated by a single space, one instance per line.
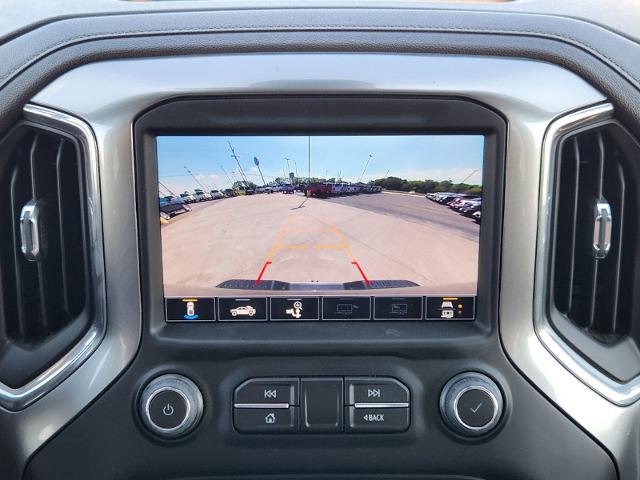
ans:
x=171 y=206
x=287 y=189
x=201 y=195
x=321 y=190
x=188 y=197
x=216 y=194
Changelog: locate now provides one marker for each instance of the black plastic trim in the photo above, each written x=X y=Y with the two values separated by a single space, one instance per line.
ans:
x=342 y=114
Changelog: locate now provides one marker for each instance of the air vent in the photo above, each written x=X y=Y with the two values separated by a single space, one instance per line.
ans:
x=595 y=248
x=45 y=281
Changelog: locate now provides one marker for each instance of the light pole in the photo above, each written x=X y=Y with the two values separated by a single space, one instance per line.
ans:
x=365 y=167
x=469 y=176
x=228 y=177
x=233 y=154
x=257 y=162
x=166 y=188
x=197 y=181
x=309 y=156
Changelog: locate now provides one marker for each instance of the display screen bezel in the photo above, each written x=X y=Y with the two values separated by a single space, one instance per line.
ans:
x=321 y=115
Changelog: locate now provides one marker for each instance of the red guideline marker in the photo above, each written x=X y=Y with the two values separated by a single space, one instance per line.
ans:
x=366 y=280
x=266 y=264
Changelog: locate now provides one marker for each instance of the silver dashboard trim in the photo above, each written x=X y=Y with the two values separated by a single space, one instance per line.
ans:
x=21 y=397
x=619 y=393
x=272 y=406
x=382 y=405
x=530 y=94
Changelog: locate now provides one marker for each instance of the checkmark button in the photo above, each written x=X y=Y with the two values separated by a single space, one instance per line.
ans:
x=475 y=407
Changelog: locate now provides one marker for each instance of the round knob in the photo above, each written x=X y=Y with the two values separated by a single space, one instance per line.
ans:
x=471 y=404
x=171 y=405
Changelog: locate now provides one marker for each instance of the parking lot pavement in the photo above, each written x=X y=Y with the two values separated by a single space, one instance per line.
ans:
x=414 y=208
x=294 y=239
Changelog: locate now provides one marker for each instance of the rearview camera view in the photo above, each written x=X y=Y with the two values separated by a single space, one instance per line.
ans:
x=282 y=218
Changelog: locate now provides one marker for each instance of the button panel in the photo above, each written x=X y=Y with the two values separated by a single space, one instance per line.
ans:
x=321 y=405
x=315 y=308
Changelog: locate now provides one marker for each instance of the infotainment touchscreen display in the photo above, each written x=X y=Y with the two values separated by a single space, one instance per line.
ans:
x=318 y=227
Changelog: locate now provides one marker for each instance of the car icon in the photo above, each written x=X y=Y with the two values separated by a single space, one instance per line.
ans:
x=245 y=311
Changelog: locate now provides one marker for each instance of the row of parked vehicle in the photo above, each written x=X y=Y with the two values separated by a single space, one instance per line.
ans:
x=467 y=204
x=286 y=188
x=200 y=195
x=172 y=205
x=327 y=189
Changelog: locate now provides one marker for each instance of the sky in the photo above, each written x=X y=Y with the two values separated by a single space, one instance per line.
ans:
x=411 y=157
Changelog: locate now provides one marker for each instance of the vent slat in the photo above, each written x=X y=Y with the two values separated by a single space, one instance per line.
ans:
x=598 y=181
x=25 y=274
x=599 y=178
x=62 y=218
x=582 y=301
x=618 y=234
x=72 y=209
x=572 y=223
x=38 y=193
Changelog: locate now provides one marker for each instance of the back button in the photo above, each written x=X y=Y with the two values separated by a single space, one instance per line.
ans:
x=378 y=420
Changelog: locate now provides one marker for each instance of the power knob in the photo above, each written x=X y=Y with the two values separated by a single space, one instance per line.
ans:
x=171 y=406
x=471 y=404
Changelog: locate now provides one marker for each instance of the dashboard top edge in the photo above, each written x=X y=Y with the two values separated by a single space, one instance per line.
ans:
x=137 y=84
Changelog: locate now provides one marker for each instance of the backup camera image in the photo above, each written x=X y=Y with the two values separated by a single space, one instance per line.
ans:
x=321 y=214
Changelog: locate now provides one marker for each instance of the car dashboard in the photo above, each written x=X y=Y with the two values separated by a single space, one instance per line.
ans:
x=319 y=241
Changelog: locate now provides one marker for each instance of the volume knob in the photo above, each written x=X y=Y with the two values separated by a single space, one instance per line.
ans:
x=171 y=406
x=471 y=404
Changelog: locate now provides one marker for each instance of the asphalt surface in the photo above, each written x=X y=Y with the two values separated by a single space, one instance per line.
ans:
x=413 y=208
x=294 y=239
